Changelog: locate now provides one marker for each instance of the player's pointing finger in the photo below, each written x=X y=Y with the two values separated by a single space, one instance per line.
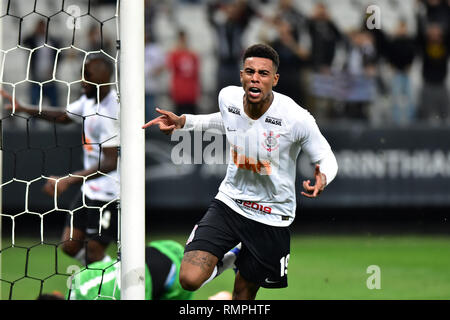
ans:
x=163 y=112
x=151 y=122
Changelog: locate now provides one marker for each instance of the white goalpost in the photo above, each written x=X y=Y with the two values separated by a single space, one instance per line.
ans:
x=1 y=155
x=132 y=150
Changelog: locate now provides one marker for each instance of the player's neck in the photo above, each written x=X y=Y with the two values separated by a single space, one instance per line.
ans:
x=256 y=110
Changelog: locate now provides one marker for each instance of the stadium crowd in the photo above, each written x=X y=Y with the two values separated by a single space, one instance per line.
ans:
x=362 y=73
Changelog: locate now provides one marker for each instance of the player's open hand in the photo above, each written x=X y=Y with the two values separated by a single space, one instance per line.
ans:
x=168 y=121
x=312 y=191
x=9 y=107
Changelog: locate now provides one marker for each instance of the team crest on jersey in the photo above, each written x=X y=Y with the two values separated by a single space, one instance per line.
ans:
x=270 y=142
x=234 y=110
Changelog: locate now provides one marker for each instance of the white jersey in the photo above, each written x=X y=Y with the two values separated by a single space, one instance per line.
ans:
x=260 y=179
x=101 y=126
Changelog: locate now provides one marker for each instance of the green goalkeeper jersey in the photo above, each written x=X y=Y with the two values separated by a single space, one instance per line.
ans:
x=100 y=280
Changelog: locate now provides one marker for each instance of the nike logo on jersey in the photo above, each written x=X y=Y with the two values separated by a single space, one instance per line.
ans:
x=234 y=110
x=231 y=130
x=274 y=121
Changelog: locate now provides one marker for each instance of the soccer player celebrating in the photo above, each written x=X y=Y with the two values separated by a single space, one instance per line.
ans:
x=256 y=201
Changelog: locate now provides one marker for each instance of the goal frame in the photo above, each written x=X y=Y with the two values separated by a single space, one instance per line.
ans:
x=132 y=149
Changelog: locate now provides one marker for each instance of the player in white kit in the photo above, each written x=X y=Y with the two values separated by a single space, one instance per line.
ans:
x=256 y=201
x=100 y=141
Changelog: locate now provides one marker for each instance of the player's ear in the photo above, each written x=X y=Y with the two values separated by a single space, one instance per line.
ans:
x=241 y=72
x=276 y=77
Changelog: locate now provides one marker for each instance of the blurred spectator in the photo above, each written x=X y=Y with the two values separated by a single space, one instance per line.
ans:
x=288 y=23
x=42 y=63
x=230 y=20
x=400 y=54
x=434 y=11
x=360 y=71
x=286 y=11
x=379 y=37
x=185 y=84
x=324 y=39
x=151 y=11
x=291 y=57
x=361 y=54
x=379 y=109
x=434 y=48
x=155 y=63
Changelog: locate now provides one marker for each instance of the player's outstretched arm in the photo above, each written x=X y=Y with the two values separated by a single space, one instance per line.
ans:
x=108 y=163
x=167 y=121
x=53 y=114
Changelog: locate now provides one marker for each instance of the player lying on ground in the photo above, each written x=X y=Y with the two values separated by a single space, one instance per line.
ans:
x=256 y=201
x=163 y=260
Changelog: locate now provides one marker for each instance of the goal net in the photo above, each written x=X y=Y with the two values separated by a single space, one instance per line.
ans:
x=63 y=202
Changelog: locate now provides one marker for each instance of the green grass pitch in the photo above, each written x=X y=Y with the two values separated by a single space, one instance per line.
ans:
x=321 y=267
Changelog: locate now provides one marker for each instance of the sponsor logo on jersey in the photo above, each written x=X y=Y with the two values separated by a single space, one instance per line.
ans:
x=274 y=121
x=254 y=206
x=262 y=167
x=234 y=110
x=270 y=142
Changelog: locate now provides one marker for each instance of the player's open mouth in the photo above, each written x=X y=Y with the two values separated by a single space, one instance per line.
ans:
x=254 y=92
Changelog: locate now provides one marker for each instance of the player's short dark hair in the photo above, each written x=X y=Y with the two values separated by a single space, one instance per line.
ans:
x=262 y=50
